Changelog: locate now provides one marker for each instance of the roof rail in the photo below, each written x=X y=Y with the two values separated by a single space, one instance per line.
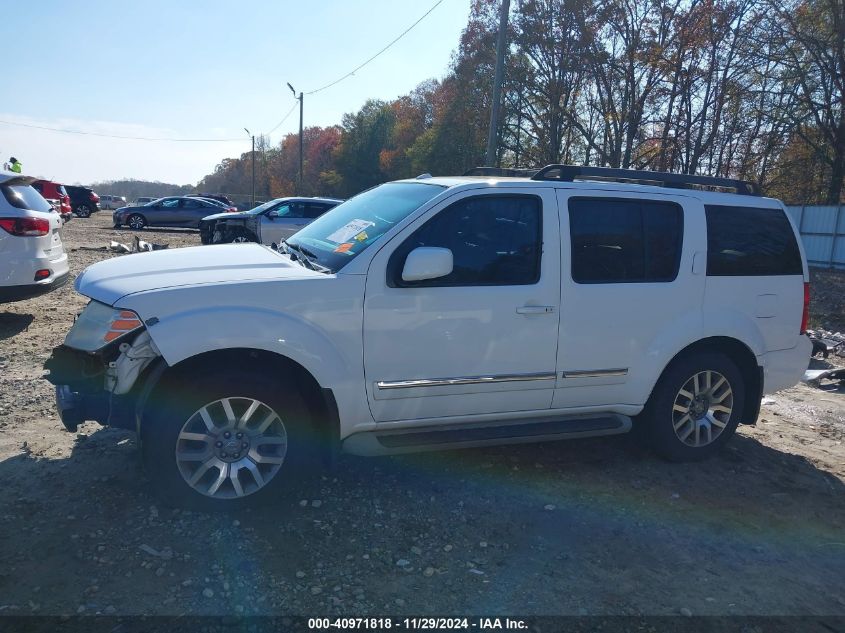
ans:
x=570 y=173
x=505 y=172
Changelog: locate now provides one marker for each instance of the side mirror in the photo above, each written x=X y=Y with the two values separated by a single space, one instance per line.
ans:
x=427 y=262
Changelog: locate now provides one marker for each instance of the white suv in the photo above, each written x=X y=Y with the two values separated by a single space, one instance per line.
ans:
x=442 y=313
x=32 y=258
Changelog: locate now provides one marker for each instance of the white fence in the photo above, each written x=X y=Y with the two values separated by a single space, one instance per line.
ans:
x=822 y=230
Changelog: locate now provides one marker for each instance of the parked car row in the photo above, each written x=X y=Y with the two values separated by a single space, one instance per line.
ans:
x=269 y=223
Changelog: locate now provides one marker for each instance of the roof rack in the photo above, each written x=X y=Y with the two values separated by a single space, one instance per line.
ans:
x=570 y=173
x=506 y=172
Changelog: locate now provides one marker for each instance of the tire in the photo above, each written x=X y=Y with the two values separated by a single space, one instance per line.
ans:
x=136 y=222
x=240 y=236
x=83 y=211
x=284 y=454
x=683 y=428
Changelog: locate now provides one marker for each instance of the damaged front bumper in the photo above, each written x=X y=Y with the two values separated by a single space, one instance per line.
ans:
x=101 y=386
x=79 y=378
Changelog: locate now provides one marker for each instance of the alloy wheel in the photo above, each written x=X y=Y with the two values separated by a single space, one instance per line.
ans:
x=702 y=408
x=231 y=447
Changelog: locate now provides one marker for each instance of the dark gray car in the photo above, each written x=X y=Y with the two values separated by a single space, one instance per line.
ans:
x=174 y=211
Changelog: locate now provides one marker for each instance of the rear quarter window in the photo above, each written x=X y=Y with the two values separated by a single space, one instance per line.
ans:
x=750 y=241
x=25 y=197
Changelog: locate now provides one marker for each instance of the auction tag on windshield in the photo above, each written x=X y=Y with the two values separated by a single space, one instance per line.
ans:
x=344 y=248
x=350 y=229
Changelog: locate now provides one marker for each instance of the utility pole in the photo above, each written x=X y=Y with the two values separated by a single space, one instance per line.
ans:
x=253 y=165
x=501 y=44
x=300 y=135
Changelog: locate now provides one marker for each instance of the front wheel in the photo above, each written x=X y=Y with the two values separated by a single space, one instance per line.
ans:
x=241 y=236
x=695 y=407
x=136 y=222
x=214 y=443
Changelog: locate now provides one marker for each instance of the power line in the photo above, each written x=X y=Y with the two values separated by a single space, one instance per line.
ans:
x=230 y=140
x=284 y=118
x=354 y=70
x=117 y=136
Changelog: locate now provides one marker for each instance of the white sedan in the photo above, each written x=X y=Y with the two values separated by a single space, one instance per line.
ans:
x=32 y=257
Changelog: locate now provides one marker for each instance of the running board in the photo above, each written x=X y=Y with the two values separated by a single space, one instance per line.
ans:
x=438 y=438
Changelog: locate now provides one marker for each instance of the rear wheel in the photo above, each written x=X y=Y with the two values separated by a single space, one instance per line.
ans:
x=216 y=443
x=136 y=221
x=83 y=211
x=696 y=406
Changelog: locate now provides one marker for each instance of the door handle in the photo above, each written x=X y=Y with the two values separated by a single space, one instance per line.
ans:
x=535 y=310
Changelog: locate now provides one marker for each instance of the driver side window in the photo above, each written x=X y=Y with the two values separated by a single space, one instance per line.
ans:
x=496 y=240
x=169 y=204
x=289 y=210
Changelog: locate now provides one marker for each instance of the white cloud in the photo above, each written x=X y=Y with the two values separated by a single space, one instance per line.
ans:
x=77 y=158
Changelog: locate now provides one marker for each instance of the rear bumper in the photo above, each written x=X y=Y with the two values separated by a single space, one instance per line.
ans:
x=28 y=291
x=785 y=368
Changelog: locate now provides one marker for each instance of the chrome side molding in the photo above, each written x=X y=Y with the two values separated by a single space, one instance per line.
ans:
x=464 y=380
x=594 y=373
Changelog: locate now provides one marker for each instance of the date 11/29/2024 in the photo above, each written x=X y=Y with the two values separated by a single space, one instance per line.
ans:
x=423 y=623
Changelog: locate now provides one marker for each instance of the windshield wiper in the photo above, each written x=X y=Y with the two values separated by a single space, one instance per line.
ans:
x=304 y=255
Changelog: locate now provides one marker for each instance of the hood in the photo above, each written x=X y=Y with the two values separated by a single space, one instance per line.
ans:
x=110 y=280
x=225 y=215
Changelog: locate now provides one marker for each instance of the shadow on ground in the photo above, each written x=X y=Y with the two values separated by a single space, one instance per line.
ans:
x=12 y=324
x=578 y=527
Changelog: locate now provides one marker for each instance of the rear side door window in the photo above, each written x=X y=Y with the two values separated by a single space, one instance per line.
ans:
x=750 y=241
x=496 y=240
x=313 y=210
x=625 y=240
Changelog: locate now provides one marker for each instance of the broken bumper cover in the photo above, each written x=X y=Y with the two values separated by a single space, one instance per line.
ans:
x=80 y=394
x=74 y=408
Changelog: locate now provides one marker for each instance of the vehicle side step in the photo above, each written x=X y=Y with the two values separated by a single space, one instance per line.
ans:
x=486 y=434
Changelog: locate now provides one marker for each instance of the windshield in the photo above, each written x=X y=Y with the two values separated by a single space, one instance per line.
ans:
x=261 y=208
x=346 y=231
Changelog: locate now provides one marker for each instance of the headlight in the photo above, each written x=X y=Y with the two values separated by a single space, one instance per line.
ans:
x=99 y=324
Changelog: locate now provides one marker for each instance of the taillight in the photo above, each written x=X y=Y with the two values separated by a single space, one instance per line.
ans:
x=42 y=274
x=25 y=227
x=805 y=317
x=123 y=322
x=94 y=197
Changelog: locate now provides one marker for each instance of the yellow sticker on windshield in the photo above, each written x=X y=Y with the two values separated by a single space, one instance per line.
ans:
x=361 y=236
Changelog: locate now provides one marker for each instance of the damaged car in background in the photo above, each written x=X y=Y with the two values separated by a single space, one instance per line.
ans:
x=269 y=223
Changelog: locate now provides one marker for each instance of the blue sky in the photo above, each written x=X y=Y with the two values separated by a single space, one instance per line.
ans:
x=197 y=69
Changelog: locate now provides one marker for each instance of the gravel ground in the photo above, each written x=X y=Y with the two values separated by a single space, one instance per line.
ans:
x=596 y=527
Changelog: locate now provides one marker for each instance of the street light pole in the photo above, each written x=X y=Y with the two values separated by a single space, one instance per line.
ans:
x=253 y=165
x=300 y=135
x=501 y=44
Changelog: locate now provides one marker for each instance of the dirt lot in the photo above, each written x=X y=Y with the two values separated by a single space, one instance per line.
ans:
x=581 y=527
